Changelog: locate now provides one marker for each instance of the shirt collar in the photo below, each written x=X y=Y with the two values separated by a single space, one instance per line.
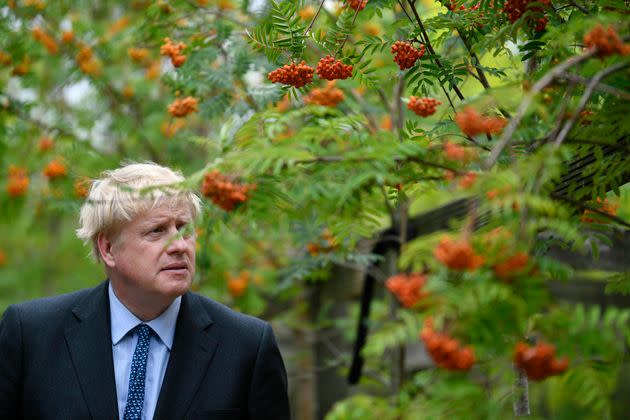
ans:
x=123 y=321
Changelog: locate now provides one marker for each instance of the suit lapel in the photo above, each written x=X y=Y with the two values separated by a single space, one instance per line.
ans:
x=193 y=348
x=90 y=345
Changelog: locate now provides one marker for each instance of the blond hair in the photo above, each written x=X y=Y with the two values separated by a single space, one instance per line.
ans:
x=123 y=193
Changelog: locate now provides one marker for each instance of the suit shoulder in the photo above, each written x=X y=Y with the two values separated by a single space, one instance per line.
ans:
x=221 y=313
x=49 y=307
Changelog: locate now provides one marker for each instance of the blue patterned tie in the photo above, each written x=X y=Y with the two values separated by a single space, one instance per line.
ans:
x=135 y=396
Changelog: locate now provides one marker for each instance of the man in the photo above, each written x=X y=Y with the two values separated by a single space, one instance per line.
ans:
x=140 y=345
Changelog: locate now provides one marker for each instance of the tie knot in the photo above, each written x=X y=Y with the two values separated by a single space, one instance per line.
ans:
x=144 y=331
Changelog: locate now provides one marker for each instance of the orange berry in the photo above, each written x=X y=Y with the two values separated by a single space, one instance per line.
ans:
x=238 y=285
x=223 y=192
x=5 y=59
x=605 y=41
x=457 y=255
x=327 y=96
x=45 y=144
x=138 y=55
x=46 y=40
x=423 y=107
x=330 y=69
x=55 y=169
x=297 y=75
x=172 y=49
x=467 y=180
x=405 y=55
x=307 y=12
x=18 y=181
x=82 y=187
x=472 y=123
x=539 y=361
x=67 y=37
x=407 y=288
x=514 y=265
x=181 y=107
x=514 y=9
x=357 y=4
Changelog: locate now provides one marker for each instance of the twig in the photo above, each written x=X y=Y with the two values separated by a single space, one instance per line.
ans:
x=579 y=6
x=310 y=25
x=427 y=42
x=590 y=208
x=521 y=394
x=600 y=86
x=527 y=100
x=561 y=114
x=404 y=10
x=585 y=97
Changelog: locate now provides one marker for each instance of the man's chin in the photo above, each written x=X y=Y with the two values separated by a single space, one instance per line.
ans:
x=177 y=285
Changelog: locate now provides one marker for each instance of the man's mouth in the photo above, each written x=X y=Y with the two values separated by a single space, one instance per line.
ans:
x=175 y=267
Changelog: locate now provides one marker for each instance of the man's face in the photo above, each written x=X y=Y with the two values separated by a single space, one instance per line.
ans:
x=152 y=257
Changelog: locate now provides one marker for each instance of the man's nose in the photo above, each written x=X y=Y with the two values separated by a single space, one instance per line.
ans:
x=177 y=243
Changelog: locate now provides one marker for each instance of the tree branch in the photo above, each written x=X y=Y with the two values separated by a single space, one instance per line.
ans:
x=600 y=86
x=585 y=97
x=429 y=47
x=506 y=137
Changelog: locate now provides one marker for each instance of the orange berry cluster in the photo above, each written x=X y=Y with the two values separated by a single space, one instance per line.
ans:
x=55 y=169
x=458 y=153
x=327 y=96
x=516 y=8
x=357 y=4
x=467 y=180
x=297 y=75
x=539 y=361
x=18 y=181
x=423 y=106
x=457 y=255
x=45 y=144
x=453 y=7
x=170 y=128
x=87 y=62
x=405 y=55
x=328 y=243
x=602 y=205
x=67 y=37
x=5 y=59
x=446 y=352
x=81 y=187
x=46 y=40
x=472 y=123
x=179 y=108
x=606 y=41
x=22 y=68
x=223 y=192
x=237 y=285
x=138 y=55
x=407 y=288
x=512 y=266
x=173 y=50
x=330 y=69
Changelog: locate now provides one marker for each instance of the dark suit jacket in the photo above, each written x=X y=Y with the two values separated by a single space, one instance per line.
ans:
x=56 y=362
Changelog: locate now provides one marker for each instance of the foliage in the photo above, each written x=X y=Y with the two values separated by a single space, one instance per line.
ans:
x=551 y=172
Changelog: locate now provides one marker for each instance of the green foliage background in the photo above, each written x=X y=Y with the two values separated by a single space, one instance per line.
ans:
x=344 y=172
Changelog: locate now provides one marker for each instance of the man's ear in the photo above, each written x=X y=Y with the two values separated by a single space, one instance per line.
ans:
x=105 y=249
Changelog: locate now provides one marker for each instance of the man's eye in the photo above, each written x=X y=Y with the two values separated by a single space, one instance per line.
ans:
x=158 y=229
x=185 y=229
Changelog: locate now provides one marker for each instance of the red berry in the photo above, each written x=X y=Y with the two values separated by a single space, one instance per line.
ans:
x=405 y=55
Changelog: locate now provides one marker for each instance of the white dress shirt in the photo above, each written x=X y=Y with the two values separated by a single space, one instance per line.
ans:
x=124 y=343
